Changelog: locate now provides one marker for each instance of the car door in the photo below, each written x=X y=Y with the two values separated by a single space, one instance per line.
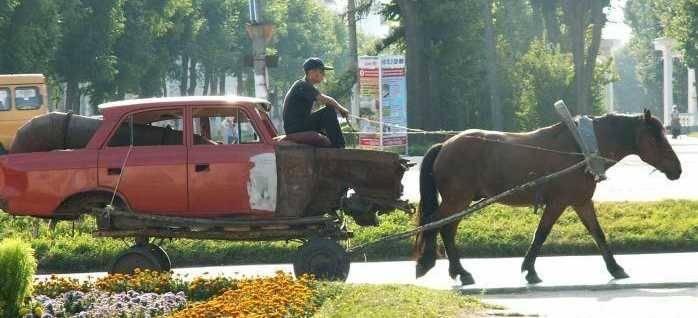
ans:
x=151 y=174
x=232 y=171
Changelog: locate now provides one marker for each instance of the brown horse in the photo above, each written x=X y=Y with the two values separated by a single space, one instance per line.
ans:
x=478 y=164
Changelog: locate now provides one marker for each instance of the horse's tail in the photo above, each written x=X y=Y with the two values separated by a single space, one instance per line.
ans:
x=425 y=243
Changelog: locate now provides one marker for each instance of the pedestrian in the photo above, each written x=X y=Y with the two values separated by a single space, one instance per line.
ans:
x=230 y=130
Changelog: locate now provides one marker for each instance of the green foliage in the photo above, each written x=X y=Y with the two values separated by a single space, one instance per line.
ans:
x=306 y=28
x=543 y=76
x=17 y=269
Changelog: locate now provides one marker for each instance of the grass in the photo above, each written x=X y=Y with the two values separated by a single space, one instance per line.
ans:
x=401 y=301
x=497 y=231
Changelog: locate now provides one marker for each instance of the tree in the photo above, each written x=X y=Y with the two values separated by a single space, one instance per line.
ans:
x=89 y=30
x=307 y=29
x=31 y=30
x=492 y=68
x=580 y=15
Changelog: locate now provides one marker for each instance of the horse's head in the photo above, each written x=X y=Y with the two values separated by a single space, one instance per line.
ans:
x=654 y=148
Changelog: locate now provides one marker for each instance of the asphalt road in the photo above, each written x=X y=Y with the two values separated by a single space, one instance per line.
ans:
x=629 y=180
x=636 y=303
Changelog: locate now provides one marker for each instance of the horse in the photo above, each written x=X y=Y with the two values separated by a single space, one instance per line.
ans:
x=477 y=164
x=61 y=131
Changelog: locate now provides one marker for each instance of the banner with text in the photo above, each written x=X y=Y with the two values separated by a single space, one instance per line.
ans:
x=382 y=99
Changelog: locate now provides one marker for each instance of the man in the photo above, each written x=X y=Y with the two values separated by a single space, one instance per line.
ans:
x=299 y=102
x=675 y=122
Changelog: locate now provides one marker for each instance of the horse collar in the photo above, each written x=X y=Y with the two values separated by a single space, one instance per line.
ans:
x=590 y=147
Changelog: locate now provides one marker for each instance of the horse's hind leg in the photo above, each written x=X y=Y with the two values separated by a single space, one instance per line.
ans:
x=453 y=204
x=587 y=214
x=550 y=215
x=448 y=235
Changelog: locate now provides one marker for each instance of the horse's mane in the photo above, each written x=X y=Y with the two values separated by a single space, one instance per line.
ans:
x=621 y=127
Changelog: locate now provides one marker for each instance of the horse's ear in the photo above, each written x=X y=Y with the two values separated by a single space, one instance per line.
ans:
x=648 y=115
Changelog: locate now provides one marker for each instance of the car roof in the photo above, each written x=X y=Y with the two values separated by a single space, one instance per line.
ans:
x=188 y=101
x=19 y=79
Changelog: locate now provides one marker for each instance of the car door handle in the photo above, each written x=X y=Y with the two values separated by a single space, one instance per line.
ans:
x=113 y=171
x=200 y=167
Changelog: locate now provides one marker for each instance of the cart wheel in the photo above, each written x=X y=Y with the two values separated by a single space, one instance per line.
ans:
x=324 y=258
x=148 y=256
x=163 y=258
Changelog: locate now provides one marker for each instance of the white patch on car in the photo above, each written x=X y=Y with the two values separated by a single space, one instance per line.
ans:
x=261 y=188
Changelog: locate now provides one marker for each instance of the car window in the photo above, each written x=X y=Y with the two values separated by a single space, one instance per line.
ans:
x=222 y=125
x=151 y=128
x=27 y=97
x=4 y=98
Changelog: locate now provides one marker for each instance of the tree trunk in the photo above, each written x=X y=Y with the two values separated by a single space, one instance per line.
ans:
x=492 y=70
x=221 y=84
x=192 y=78
x=207 y=80
x=417 y=62
x=353 y=54
x=72 y=96
x=184 y=76
x=214 y=84
x=598 y=19
x=552 y=24
x=240 y=85
x=574 y=13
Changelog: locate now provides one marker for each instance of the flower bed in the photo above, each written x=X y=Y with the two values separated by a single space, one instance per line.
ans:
x=104 y=304
x=278 y=296
x=155 y=294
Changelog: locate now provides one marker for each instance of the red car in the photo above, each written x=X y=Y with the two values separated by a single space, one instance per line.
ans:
x=202 y=158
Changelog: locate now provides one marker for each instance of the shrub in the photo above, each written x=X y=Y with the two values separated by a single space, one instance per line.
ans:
x=17 y=269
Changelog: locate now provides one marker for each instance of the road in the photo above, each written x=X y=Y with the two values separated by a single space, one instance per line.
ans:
x=629 y=180
x=635 y=303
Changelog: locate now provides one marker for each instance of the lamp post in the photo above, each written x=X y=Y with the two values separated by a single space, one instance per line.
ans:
x=260 y=33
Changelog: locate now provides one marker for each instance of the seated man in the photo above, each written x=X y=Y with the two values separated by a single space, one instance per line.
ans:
x=299 y=101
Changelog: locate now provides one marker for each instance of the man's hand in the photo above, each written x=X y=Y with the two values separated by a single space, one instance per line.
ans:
x=342 y=111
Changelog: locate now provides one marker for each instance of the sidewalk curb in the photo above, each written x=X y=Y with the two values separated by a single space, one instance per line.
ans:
x=604 y=287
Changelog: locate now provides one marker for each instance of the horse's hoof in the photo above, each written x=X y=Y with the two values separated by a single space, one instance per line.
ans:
x=421 y=270
x=423 y=266
x=532 y=277
x=466 y=279
x=619 y=273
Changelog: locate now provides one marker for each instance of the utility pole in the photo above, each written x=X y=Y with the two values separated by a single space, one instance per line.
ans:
x=260 y=33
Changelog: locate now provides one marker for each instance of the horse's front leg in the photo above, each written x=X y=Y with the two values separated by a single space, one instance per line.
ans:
x=587 y=213
x=550 y=215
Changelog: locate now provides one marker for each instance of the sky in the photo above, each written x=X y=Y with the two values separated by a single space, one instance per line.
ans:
x=615 y=27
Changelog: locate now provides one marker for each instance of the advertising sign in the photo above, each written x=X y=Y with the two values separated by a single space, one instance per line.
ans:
x=382 y=102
